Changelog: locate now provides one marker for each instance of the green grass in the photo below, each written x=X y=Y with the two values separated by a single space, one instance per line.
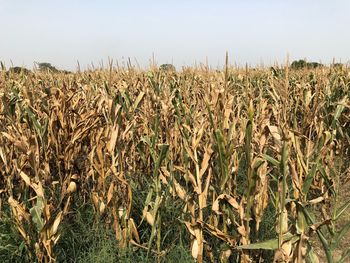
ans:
x=12 y=247
x=85 y=238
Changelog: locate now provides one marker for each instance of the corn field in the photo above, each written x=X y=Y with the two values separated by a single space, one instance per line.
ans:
x=234 y=164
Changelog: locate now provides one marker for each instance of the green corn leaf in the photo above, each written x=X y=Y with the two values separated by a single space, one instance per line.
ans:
x=271 y=160
x=271 y=244
x=342 y=209
x=310 y=221
x=147 y=141
x=35 y=121
x=156 y=225
x=340 y=108
x=340 y=235
x=328 y=182
x=163 y=152
x=344 y=256
x=211 y=119
x=300 y=223
x=312 y=256
x=222 y=157
x=137 y=101
x=248 y=140
x=36 y=212
x=309 y=178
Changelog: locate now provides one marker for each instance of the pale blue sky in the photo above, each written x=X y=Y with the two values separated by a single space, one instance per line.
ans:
x=180 y=32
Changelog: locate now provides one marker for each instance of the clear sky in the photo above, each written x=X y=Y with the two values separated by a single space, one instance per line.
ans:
x=181 y=32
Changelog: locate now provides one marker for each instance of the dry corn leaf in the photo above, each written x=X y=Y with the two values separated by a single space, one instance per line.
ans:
x=110 y=193
x=276 y=135
x=56 y=223
x=205 y=162
x=316 y=200
x=228 y=111
x=149 y=217
x=3 y=156
x=19 y=209
x=66 y=206
x=121 y=211
x=196 y=139
x=195 y=249
x=102 y=207
x=20 y=144
x=219 y=234
x=95 y=199
x=261 y=194
x=180 y=191
x=204 y=195
x=114 y=136
x=133 y=229
x=225 y=254
x=25 y=177
x=190 y=228
x=232 y=201
x=282 y=222
x=72 y=187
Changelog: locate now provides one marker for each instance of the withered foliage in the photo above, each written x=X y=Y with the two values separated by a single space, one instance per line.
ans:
x=225 y=144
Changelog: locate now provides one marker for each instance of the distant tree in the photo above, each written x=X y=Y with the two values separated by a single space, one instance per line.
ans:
x=65 y=72
x=19 y=70
x=298 y=64
x=44 y=66
x=167 y=67
x=313 y=65
x=338 y=65
x=301 y=63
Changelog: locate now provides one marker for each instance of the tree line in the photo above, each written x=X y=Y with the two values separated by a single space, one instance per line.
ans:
x=48 y=67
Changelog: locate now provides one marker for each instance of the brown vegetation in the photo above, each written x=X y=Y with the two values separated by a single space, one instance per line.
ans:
x=229 y=146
